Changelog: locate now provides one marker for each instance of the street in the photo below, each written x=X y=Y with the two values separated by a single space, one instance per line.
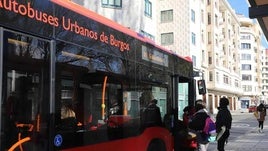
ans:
x=244 y=135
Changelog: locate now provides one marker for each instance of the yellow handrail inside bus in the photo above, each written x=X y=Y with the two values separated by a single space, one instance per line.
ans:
x=125 y=108
x=38 y=123
x=103 y=98
x=19 y=143
x=25 y=125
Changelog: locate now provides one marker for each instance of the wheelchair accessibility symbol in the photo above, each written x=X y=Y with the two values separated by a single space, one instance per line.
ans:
x=58 y=140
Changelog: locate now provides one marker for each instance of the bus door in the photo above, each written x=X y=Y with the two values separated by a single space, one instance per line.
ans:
x=181 y=94
x=25 y=92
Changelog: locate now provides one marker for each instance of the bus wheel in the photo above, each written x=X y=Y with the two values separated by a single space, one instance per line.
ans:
x=156 y=145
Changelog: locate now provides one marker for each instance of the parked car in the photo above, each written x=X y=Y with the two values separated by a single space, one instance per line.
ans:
x=252 y=108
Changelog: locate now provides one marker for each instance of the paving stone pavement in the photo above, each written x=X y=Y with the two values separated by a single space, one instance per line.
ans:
x=251 y=141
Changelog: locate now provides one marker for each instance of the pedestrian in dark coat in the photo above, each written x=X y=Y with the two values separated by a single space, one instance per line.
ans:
x=261 y=116
x=223 y=123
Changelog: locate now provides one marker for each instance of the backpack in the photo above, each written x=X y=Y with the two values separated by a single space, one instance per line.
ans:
x=210 y=129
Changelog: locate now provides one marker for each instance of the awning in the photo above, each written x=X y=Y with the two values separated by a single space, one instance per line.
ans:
x=259 y=10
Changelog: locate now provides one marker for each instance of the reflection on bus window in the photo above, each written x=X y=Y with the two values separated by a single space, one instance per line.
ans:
x=137 y=100
x=105 y=104
x=25 y=91
x=87 y=93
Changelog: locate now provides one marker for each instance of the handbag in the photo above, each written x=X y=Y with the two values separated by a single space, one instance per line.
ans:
x=219 y=135
x=256 y=114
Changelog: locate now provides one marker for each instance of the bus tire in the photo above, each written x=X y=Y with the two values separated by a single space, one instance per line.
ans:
x=156 y=145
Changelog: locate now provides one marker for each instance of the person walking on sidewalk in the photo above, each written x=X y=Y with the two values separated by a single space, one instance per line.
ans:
x=261 y=110
x=223 y=123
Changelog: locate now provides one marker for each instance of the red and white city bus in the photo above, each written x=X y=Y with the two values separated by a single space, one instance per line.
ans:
x=55 y=53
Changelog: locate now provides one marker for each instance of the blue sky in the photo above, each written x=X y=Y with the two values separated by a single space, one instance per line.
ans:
x=241 y=7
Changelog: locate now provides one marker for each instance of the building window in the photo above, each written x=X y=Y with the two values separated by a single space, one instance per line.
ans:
x=217 y=77
x=193 y=15
x=209 y=37
x=246 y=77
x=167 y=38
x=225 y=79
x=236 y=83
x=194 y=60
x=245 y=57
x=166 y=16
x=148 y=8
x=112 y=3
x=216 y=40
x=209 y=18
x=216 y=20
x=245 y=37
x=246 y=67
x=210 y=76
x=202 y=37
x=193 y=38
x=209 y=58
x=203 y=55
x=144 y=33
x=247 y=88
x=202 y=16
x=245 y=46
x=223 y=32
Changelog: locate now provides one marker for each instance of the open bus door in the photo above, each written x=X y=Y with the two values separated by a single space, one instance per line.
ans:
x=183 y=95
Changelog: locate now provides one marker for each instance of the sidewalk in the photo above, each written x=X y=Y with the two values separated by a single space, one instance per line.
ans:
x=238 y=112
x=252 y=140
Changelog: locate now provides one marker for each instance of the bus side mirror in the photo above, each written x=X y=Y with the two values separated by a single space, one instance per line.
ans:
x=201 y=86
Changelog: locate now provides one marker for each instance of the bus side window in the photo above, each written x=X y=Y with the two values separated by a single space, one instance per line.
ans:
x=68 y=117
